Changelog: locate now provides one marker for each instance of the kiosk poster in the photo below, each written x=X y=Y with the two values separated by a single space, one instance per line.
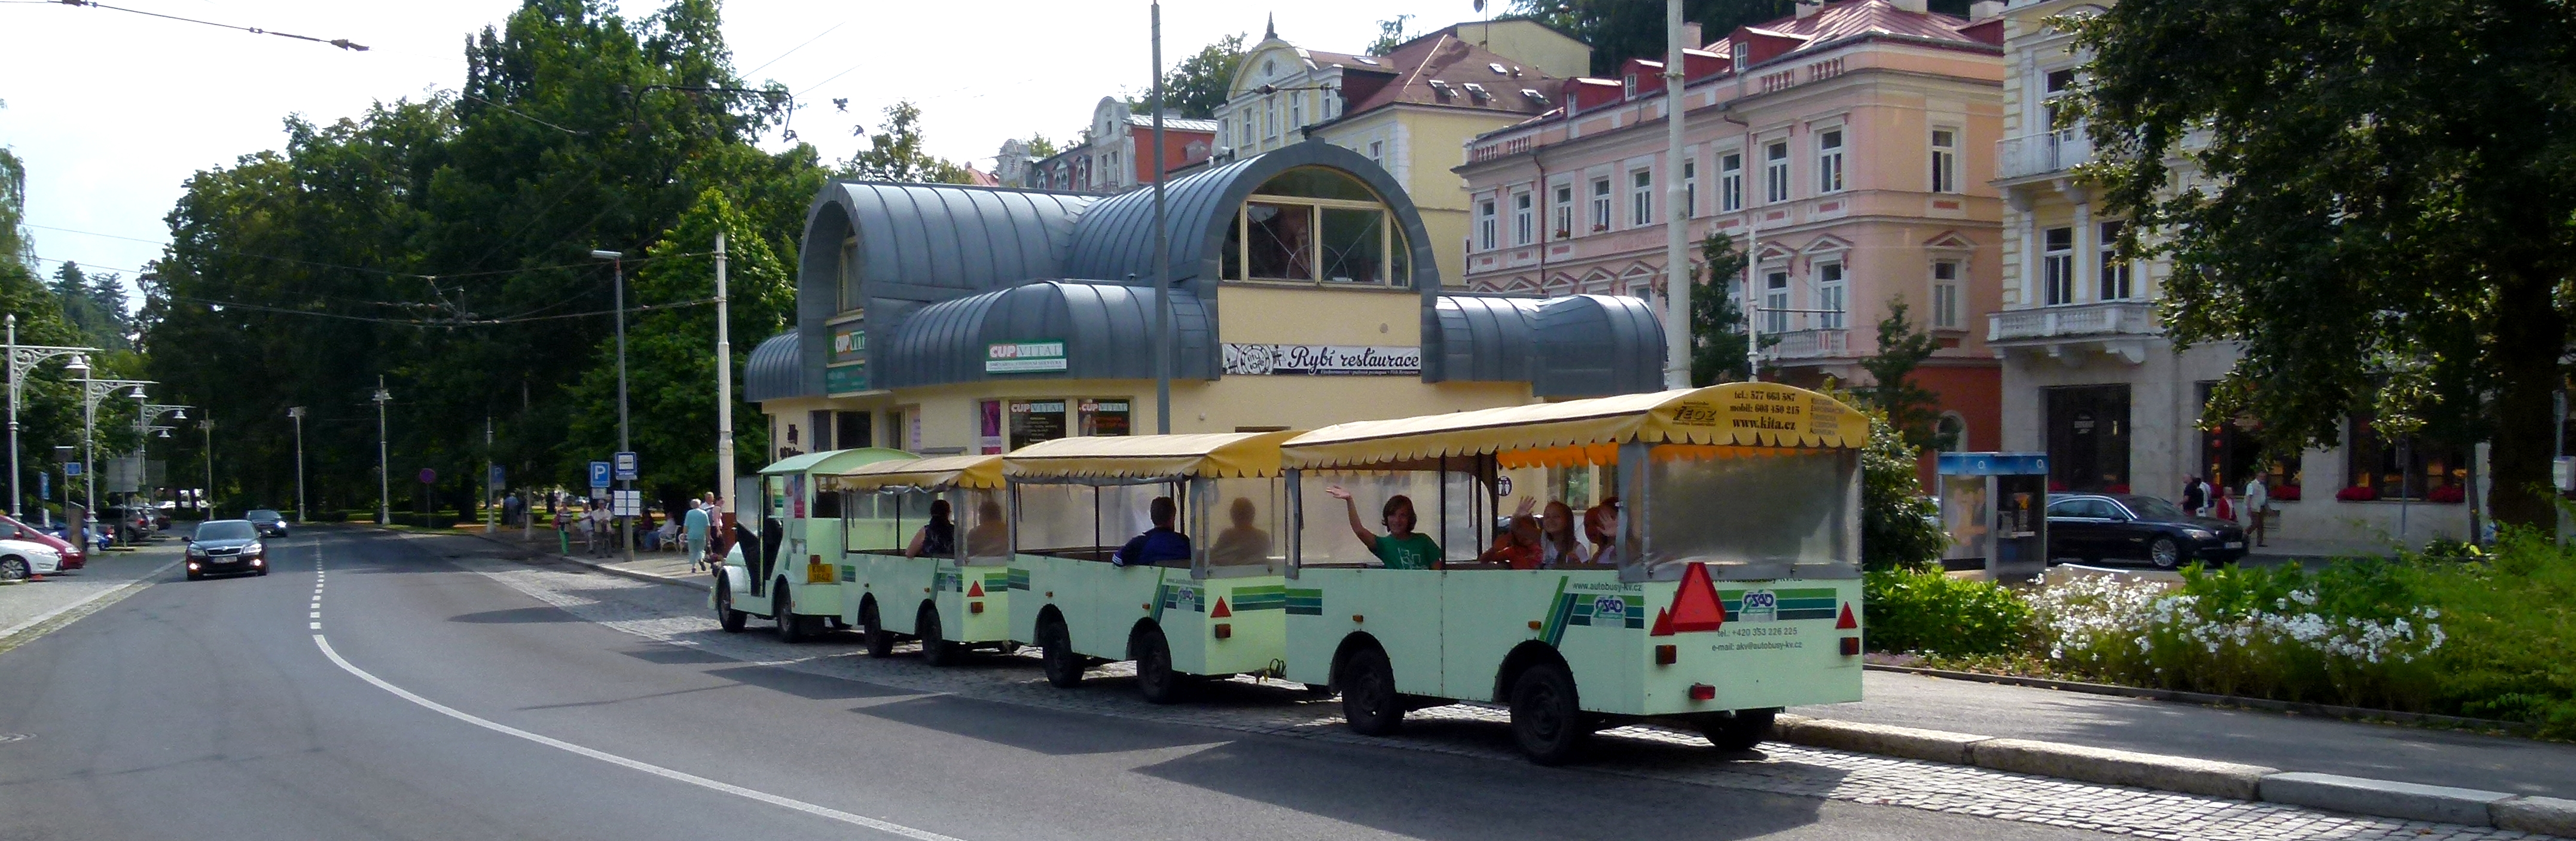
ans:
x=2021 y=525
x=1033 y=421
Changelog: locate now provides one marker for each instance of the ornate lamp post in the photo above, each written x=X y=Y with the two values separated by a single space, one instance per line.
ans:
x=143 y=419
x=23 y=359
x=94 y=390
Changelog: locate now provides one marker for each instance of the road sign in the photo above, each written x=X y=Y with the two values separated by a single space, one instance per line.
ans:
x=495 y=478
x=428 y=476
x=71 y=469
x=625 y=467
x=599 y=474
x=626 y=503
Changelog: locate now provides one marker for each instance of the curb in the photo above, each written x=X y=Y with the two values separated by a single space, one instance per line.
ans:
x=638 y=575
x=2187 y=775
x=2208 y=700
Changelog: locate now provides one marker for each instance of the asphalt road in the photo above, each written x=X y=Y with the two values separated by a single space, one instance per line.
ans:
x=467 y=710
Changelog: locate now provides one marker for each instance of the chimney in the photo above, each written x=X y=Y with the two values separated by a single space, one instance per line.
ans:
x=1915 y=6
x=1983 y=9
x=1809 y=8
x=1691 y=36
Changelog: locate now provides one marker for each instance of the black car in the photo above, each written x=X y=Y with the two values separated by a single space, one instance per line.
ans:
x=2131 y=527
x=226 y=547
x=269 y=522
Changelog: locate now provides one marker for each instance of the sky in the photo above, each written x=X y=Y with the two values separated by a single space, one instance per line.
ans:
x=112 y=111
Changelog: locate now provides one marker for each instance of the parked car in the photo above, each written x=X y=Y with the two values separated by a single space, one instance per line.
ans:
x=72 y=556
x=269 y=522
x=226 y=546
x=2134 y=527
x=124 y=525
x=22 y=558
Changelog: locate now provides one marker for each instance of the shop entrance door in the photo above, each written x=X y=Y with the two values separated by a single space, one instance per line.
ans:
x=2088 y=437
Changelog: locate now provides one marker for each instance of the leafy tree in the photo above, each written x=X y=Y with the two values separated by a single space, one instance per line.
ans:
x=1910 y=408
x=1717 y=323
x=1390 y=34
x=1042 y=148
x=1619 y=30
x=2370 y=196
x=895 y=153
x=1200 y=83
x=14 y=245
x=1900 y=528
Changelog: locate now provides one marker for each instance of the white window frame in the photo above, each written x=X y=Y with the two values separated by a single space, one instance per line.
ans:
x=1833 y=292
x=1775 y=298
x=1945 y=312
x=1601 y=204
x=1377 y=152
x=1775 y=171
x=1830 y=143
x=1641 y=197
x=1270 y=117
x=1730 y=181
x=1485 y=223
x=2118 y=282
x=1945 y=159
x=1297 y=111
x=1561 y=209
x=1524 y=217
x=2057 y=268
x=1690 y=187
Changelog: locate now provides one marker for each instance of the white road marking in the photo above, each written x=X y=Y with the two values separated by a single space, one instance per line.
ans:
x=316 y=615
x=317 y=626
x=614 y=759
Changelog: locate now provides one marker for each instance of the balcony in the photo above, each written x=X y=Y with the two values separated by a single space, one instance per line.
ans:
x=1811 y=344
x=2120 y=328
x=2046 y=153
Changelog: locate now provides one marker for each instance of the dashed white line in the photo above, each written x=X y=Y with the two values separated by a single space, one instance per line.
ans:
x=613 y=759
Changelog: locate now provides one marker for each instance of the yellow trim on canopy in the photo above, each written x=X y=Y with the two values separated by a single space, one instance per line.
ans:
x=973 y=472
x=1739 y=414
x=1218 y=455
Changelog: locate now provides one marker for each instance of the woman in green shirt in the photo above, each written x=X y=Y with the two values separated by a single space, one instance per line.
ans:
x=1401 y=547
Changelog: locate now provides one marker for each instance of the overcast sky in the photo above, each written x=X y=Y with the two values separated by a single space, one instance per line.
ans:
x=112 y=111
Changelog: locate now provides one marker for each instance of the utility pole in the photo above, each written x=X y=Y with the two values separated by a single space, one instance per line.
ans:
x=297 y=413
x=1677 y=284
x=617 y=263
x=724 y=396
x=1162 y=253
x=491 y=510
x=209 y=424
x=384 y=468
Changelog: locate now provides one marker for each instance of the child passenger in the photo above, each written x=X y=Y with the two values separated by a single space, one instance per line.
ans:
x=1401 y=547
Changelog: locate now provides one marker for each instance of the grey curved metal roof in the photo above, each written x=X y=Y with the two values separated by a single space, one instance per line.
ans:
x=1115 y=237
x=1572 y=346
x=1107 y=328
x=773 y=371
x=948 y=236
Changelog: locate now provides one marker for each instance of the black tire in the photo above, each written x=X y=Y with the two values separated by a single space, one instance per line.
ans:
x=1742 y=731
x=14 y=568
x=936 y=648
x=1055 y=654
x=872 y=627
x=2164 y=553
x=1154 y=676
x=1547 y=718
x=729 y=619
x=1369 y=700
x=1319 y=691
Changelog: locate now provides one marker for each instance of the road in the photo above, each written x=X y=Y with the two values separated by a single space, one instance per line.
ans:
x=380 y=687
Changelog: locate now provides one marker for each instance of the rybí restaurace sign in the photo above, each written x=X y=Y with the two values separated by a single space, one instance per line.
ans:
x=1345 y=360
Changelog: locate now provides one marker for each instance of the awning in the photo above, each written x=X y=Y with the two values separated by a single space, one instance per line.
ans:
x=832 y=461
x=973 y=472
x=1218 y=455
x=1739 y=414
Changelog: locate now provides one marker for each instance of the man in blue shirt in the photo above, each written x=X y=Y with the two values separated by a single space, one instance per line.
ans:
x=1157 y=544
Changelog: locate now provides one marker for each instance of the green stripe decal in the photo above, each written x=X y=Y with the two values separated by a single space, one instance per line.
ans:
x=1018 y=579
x=1305 y=602
x=1560 y=609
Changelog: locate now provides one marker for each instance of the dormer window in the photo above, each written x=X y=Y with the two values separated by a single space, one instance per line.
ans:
x=1534 y=96
x=1269 y=68
x=1441 y=89
x=1477 y=91
x=1628 y=85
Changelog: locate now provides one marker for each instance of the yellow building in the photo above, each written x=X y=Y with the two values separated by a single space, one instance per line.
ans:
x=952 y=319
x=1410 y=111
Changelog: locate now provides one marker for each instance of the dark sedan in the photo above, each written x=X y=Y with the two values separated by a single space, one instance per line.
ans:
x=226 y=547
x=2130 y=527
x=269 y=522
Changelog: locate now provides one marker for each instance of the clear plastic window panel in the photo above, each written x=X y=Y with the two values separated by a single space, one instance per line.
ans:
x=883 y=522
x=1353 y=243
x=1085 y=521
x=1763 y=515
x=985 y=522
x=1325 y=538
x=1282 y=240
x=1239 y=527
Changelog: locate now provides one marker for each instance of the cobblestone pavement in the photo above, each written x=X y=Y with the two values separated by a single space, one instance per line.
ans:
x=677 y=616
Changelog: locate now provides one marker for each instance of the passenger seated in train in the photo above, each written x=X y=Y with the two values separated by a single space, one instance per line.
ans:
x=937 y=538
x=1401 y=547
x=1558 y=545
x=1157 y=545
x=991 y=536
x=1242 y=543
x=1516 y=547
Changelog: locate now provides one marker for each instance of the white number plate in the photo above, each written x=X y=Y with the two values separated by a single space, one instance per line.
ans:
x=2235 y=544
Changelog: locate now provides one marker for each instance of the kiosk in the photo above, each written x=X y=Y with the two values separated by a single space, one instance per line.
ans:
x=950 y=600
x=1217 y=612
x=1994 y=507
x=1730 y=587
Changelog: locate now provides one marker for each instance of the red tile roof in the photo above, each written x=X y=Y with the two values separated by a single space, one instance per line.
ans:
x=1853 y=18
x=1454 y=63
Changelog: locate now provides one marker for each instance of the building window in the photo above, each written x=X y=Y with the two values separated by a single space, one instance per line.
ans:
x=2115 y=271
x=1248 y=138
x=2057 y=267
x=1945 y=295
x=1485 y=225
x=1641 y=198
x=1523 y=219
x=2055 y=86
x=1829 y=295
x=1945 y=160
x=1318 y=225
x=1600 y=204
x=1562 y=211
x=1690 y=188
x=1377 y=151
x=2403 y=467
x=1775 y=172
x=1829 y=161
x=1775 y=301
x=1297 y=111
x=1730 y=182
x=1270 y=117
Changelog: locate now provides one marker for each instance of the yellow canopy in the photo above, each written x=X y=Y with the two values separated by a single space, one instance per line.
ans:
x=1582 y=431
x=1219 y=455
x=975 y=472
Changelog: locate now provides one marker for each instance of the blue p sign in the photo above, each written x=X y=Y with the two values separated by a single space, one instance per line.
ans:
x=599 y=474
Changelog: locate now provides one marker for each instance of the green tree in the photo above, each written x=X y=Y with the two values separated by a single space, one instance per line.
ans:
x=1200 y=83
x=1619 y=30
x=1041 y=147
x=1912 y=409
x=1900 y=528
x=1718 y=354
x=2371 y=196
x=895 y=153
x=1390 y=34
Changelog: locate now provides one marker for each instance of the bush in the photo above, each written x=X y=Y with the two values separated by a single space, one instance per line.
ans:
x=1926 y=612
x=2512 y=626
x=1899 y=526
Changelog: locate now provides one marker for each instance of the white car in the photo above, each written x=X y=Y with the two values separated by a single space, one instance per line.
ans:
x=22 y=558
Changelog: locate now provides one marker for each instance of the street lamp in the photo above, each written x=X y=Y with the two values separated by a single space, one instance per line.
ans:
x=208 y=424
x=617 y=263
x=143 y=418
x=297 y=412
x=384 y=475
x=94 y=390
x=22 y=359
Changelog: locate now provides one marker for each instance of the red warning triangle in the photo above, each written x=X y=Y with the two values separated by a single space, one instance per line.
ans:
x=975 y=590
x=1221 y=610
x=1847 y=622
x=1663 y=623
x=1695 y=605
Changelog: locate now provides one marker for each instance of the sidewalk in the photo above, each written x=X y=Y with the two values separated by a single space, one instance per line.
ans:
x=671 y=567
x=2279 y=550
x=2287 y=742
x=25 y=605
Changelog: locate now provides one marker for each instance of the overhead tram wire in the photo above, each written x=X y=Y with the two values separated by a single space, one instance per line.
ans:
x=342 y=43
x=385 y=272
x=428 y=323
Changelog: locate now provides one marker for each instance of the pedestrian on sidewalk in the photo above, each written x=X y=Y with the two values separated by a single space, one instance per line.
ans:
x=2193 y=495
x=2258 y=502
x=2225 y=507
x=693 y=528
x=594 y=520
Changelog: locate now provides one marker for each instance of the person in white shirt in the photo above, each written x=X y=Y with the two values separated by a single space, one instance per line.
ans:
x=2258 y=501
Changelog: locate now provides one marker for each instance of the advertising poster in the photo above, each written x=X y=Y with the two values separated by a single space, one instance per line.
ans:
x=1104 y=417
x=1033 y=421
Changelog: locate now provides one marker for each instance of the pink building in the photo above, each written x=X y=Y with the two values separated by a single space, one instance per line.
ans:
x=1836 y=141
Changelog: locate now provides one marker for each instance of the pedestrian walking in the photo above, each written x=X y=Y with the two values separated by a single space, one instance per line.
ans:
x=2192 y=495
x=2258 y=502
x=595 y=517
x=693 y=529
x=2225 y=507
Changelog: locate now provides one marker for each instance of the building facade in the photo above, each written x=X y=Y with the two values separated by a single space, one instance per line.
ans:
x=1831 y=144
x=2090 y=378
x=1115 y=155
x=953 y=319
x=1409 y=111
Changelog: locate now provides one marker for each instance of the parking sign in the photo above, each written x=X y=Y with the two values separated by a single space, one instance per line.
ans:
x=598 y=474
x=625 y=467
